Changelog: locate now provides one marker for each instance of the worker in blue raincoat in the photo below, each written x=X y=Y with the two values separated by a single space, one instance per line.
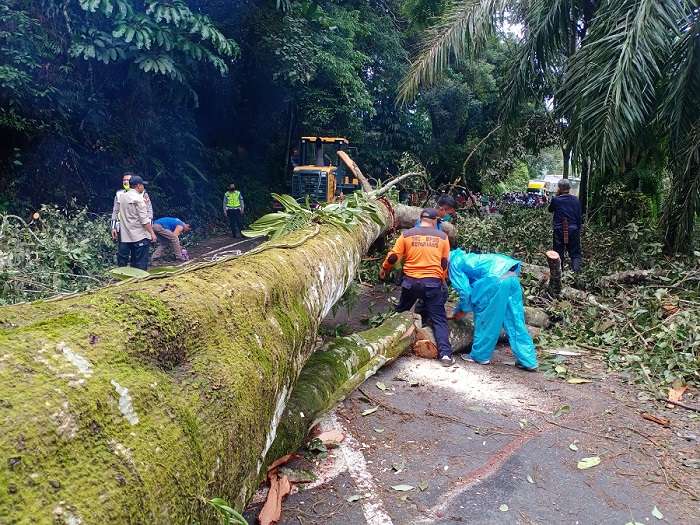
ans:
x=488 y=285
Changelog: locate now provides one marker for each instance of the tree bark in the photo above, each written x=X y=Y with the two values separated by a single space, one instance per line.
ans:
x=406 y=217
x=334 y=371
x=135 y=403
x=566 y=158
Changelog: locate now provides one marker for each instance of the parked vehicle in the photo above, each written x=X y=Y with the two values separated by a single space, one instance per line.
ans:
x=548 y=185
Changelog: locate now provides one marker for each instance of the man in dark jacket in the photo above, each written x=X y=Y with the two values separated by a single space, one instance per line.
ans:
x=567 y=222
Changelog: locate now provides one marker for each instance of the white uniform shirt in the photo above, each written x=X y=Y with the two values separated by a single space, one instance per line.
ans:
x=134 y=214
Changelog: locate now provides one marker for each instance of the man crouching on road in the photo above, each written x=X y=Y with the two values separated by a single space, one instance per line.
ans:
x=168 y=230
x=426 y=252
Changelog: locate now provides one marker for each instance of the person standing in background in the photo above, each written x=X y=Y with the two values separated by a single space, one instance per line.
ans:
x=234 y=208
x=566 y=224
x=136 y=232
x=115 y=220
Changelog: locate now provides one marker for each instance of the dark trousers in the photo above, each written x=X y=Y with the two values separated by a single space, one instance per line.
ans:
x=433 y=292
x=122 y=251
x=573 y=247
x=138 y=251
x=235 y=220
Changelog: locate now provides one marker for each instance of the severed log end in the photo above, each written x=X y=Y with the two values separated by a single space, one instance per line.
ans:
x=628 y=277
x=554 y=262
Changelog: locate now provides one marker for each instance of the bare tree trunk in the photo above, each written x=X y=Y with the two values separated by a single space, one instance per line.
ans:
x=566 y=157
x=583 y=187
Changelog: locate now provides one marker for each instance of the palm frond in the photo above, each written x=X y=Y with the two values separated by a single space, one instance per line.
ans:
x=611 y=82
x=463 y=30
x=682 y=75
x=548 y=28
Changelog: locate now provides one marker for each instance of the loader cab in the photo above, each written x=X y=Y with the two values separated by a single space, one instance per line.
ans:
x=323 y=171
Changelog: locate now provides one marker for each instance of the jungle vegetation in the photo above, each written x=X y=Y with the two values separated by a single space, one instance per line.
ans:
x=194 y=94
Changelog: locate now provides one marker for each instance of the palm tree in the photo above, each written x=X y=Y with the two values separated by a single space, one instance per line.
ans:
x=623 y=77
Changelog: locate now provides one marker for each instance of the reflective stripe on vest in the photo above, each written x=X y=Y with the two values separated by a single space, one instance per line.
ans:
x=233 y=200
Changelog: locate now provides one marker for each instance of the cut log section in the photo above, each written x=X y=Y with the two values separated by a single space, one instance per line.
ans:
x=554 y=262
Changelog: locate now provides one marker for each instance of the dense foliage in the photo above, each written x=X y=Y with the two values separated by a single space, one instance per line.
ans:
x=647 y=329
x=620 y=79
x=60 y=251
x=192 y=95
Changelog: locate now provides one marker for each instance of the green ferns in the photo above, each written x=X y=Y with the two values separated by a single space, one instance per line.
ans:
x=166 y=39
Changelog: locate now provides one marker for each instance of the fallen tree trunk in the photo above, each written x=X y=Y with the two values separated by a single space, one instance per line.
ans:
x=135 y=403
x=407 y=216
x=628 y=277
x=334 y=371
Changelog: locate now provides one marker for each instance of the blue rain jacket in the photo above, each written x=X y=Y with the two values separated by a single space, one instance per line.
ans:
x=472 y=274
x=497 y=303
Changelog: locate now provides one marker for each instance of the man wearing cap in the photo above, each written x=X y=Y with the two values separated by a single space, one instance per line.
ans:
x=425 y=251
x=136 y=233
x=234 y=209
x=168 y=230
x=566 y=223
x=115 y=221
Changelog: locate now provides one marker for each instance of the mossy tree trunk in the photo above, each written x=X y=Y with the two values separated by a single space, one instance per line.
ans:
x=135 y=403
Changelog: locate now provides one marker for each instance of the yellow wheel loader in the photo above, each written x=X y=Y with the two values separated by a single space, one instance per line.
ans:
x=322 y=171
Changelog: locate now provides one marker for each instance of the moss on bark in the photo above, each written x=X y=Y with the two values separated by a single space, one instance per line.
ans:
x=334 y=371
x=134 y=403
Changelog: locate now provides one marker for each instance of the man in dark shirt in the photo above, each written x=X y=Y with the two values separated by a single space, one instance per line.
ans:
x=567 y=223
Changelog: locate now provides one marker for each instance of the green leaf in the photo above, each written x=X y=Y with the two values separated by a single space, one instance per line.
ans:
x=127 y=272
x=573 y=447
x=503 y=508
x=577 y=380
x=422 y=486
x=530 y=480
x=563 y=410
x=398 y=467
x=402 y=487
x=381 y=386
x=379 y=430
x=550 y=374
x=586 y=463
x=354 y=497
x=479 y=409
x=370 y=411
x=657 y=513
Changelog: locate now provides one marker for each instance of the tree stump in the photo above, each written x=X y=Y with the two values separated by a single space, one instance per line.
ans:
x=554 y=262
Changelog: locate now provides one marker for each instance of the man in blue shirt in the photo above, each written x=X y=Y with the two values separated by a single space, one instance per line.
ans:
x=168 y=230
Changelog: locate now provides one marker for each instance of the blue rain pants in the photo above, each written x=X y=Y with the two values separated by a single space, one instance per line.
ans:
x=501 y=305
